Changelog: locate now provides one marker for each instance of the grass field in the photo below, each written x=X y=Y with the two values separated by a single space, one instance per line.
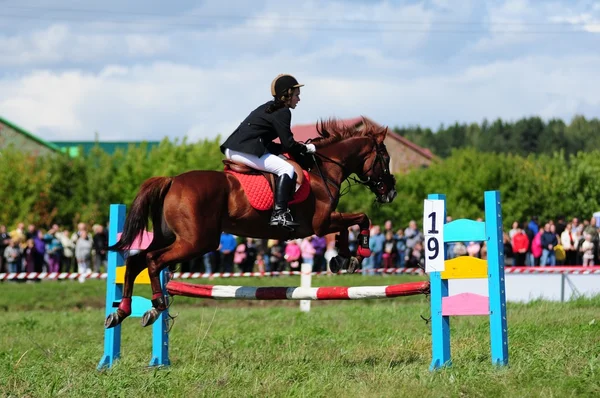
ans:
x=51 y=339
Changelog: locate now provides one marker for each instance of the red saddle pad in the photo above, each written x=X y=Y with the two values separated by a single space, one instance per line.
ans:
x=259 y=191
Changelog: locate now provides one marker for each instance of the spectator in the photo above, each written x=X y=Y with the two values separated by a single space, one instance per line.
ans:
x=83 y=255
x=387 y=227
x=390 y=251
x=18 y=234
x=376 y=245
x=292 y=254
x=413 y=235
x=416 y=257
x=276 y=260
x=53 y=249
x=514 y=230
x=260 y=262
x=536 y=248
x=320 y=245
x=533 y=225
x=12 y=254
x=68 y=251
x=473 y=249
x=400 y=248
x=308 y=250
x=227 y=248
x=560 y=225
x=520 y=243
x=239 y=255
x=508 y=249
x=549 y=241
x=251 y=253
x=459 y=249
x=100 y=246
x=31 y=232
x=4 y=243
x=39 y=252
x=28 y=256
x=587 y=248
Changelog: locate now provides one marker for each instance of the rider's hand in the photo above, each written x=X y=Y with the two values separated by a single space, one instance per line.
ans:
x=310 y=148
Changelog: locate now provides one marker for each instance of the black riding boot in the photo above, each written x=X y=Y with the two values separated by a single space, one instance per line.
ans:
x=284 y=191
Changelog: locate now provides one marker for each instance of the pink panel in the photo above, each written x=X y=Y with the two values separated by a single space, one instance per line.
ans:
x=141 y=242
x=466 y=304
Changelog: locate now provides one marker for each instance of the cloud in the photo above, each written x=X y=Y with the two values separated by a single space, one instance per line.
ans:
x=166 y=99
x=200 y=71
x=58 y=43
x=587 y=22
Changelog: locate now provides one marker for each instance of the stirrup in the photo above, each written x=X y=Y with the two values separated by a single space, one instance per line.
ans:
x=283 y=219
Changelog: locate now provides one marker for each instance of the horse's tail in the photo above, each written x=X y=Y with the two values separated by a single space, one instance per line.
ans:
x=148 y=202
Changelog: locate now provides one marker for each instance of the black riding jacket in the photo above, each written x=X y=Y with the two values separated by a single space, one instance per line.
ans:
x=256 y=133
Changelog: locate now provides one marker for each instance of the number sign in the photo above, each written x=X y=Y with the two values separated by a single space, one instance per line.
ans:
x=433 y=227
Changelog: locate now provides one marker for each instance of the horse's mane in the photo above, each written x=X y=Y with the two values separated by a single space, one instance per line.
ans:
x=332 y=130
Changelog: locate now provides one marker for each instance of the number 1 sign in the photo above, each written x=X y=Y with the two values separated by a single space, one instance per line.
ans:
x=433 y=227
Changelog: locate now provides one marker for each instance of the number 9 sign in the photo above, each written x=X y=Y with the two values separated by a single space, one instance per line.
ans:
x=433 y=227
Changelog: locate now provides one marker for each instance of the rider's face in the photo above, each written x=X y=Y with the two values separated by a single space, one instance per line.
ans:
x=292 y=102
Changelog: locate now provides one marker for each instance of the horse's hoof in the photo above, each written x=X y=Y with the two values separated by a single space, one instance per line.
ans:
x=338 y=263
x=353 y=265
x=112 y=320
x=150 y=316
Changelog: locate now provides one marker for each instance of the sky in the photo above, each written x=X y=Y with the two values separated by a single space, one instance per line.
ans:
x=146 y=70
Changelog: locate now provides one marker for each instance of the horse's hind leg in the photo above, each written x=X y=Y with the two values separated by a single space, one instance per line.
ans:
x=134 y=265
x=180 y=250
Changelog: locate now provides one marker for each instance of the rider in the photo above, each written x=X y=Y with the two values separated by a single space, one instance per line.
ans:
x=252 y=144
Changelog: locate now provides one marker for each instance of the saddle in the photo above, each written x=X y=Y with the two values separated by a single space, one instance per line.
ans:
x=260 y=185
x=243 y=169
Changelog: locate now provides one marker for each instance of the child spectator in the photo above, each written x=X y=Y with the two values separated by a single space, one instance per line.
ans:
x=587 y=248
x=12 y=254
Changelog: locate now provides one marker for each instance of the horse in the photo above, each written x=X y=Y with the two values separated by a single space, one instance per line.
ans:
x=189 y=211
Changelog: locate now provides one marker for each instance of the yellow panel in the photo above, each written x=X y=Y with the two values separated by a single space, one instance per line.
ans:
x=142 y=279
x=464 y=267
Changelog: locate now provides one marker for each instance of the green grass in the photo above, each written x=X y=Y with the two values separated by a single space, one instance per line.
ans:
x=51 y=339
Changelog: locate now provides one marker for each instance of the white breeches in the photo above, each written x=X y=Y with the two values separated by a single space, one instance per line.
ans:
x=267 y=162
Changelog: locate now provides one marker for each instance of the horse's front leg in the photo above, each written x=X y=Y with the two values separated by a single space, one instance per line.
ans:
x=340 y=222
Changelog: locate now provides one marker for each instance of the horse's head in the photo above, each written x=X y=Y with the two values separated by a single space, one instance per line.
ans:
x=376 y=169
x=370 y=158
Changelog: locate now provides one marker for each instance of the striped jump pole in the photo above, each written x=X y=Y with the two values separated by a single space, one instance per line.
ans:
x=216 y=292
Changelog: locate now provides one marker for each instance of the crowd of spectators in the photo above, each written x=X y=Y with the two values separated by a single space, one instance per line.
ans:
x=525 y=244
x=57 y=249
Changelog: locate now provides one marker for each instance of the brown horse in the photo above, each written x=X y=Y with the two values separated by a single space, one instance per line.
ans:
x=190 y=210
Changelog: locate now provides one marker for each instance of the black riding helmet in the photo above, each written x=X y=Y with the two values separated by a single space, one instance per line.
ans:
x=283 y=86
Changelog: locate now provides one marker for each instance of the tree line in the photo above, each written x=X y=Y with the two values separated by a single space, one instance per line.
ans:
x=523 y=137
x=66 y=190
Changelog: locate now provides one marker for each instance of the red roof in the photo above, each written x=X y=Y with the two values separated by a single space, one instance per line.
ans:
x=302 y=132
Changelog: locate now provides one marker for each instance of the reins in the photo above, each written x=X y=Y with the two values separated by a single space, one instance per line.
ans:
x=357 y=181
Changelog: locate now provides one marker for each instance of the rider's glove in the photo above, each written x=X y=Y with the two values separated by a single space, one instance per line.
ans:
x=310 y=148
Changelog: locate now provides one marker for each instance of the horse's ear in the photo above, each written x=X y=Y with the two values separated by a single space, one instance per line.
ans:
x=380 y=136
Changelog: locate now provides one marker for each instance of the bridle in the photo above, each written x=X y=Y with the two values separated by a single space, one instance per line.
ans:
x=374 y=185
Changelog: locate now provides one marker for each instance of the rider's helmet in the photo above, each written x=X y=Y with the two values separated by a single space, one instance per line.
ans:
x=283 y=86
